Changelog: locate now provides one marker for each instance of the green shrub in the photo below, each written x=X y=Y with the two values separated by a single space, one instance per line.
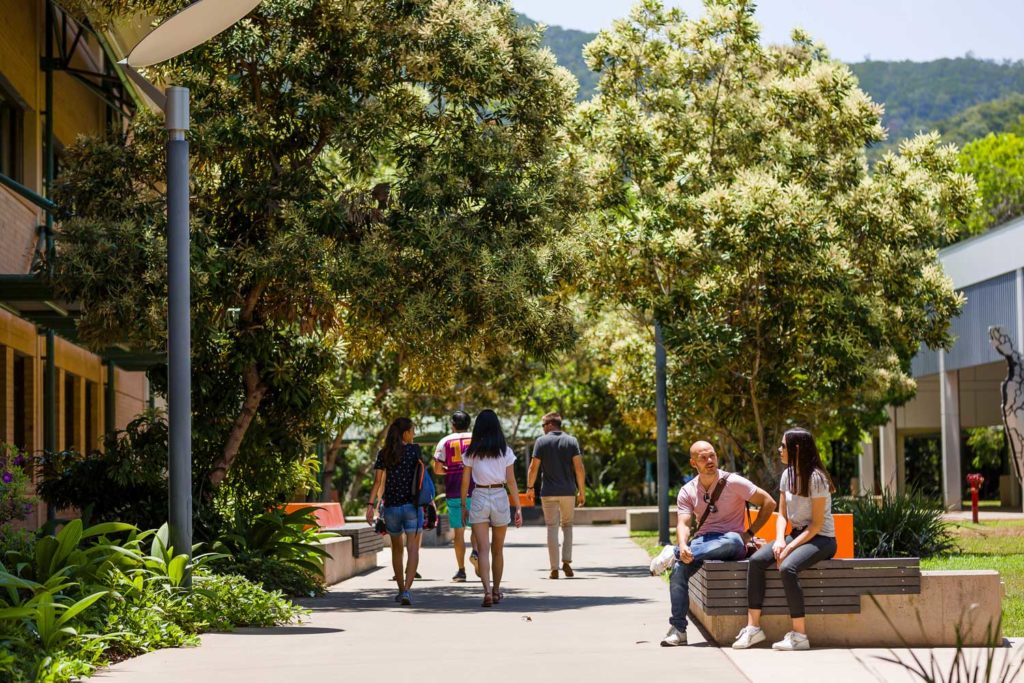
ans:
x=15 y=501
x=226 y=601
x=898 y=525
x=603 y=495
x=72 y=602
x=278 y=550
x=274 y=574
x=125 y=482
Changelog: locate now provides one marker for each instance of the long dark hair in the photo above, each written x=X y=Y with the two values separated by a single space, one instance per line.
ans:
x=804 y=458
x=488 y=440
x=394 y=447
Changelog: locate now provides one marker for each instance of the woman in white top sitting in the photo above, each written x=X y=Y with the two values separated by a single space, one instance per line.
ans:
x=805 y=500
x=488 y=464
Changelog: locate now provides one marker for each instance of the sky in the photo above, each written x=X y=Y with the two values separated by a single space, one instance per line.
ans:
x=918 y=30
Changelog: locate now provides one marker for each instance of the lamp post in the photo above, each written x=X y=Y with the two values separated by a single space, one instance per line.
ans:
x=187 y=29
x=661 y=408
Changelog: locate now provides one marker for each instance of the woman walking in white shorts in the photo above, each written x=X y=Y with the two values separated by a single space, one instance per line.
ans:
x=488 y=464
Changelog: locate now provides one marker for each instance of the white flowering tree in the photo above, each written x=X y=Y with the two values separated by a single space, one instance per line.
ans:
x=735 y=205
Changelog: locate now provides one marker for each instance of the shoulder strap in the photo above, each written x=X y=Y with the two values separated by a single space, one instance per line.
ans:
x=417 y=481
x=714 y=499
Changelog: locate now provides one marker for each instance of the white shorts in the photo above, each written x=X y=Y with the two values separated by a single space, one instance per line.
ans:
x=490 y=505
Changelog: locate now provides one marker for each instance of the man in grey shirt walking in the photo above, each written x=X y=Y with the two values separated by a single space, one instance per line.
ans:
x=557 y=455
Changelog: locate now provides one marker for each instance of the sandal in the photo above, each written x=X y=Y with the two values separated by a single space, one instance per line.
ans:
x=496 y=597
x=488 y=601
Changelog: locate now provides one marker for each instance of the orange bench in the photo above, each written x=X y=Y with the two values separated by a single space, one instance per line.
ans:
x=328 y=515
x=844 y=533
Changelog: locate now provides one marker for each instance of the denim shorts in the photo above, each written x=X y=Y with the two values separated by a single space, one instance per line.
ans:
x=490 y=506
x=407 y=518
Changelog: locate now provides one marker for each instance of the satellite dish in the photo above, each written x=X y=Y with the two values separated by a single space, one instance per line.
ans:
x=190 y=27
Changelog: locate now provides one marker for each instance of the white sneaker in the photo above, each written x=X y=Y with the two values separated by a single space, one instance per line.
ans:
x=793 y=641
x=664 y=561
x=674 y=637
x=749 y=635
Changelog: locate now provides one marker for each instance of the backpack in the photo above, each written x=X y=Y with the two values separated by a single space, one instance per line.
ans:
x=423 y=491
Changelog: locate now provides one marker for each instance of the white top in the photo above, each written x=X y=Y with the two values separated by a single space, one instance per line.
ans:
x=490 y=471
x=798 y=508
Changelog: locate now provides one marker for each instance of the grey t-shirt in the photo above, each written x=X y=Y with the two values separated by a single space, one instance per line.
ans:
x=798 y=508
x=555 y=450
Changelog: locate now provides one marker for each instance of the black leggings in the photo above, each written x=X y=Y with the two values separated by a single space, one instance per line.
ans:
x=815 y=550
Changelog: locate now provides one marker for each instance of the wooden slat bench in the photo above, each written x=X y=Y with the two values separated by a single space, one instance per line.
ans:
x=910 y=606
x=830 y=587
x=365 y=541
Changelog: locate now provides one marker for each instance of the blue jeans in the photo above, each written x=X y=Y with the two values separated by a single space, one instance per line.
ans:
x=407 y=518
x=709 y=546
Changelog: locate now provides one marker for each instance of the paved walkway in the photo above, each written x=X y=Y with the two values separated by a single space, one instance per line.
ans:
x=603 y=625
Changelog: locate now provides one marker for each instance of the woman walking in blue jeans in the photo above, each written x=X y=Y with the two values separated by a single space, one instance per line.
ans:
x=805 y=500
x=396 y=468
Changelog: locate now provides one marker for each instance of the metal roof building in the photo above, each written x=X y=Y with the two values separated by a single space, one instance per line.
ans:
x=960 y=388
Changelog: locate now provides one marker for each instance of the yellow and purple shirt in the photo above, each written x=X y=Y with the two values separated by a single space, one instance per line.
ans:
x=450 y=451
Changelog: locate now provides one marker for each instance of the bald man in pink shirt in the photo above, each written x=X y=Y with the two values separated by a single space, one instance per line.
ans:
x=721 y=537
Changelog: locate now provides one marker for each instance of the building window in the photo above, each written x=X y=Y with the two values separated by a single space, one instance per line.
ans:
x=10 y=138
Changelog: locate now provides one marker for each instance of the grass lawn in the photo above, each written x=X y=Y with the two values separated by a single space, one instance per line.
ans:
x=648 y=540
x=989 y=545
x=992 y=545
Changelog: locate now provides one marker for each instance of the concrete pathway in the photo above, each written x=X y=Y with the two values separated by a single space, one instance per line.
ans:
x=603 y=625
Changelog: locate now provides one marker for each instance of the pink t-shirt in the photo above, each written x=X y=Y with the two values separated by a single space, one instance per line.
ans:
x=730 y=508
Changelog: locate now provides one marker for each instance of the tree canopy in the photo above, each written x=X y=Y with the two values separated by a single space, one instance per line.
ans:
x=996 y=162
x=374 y=184
x=734 y=204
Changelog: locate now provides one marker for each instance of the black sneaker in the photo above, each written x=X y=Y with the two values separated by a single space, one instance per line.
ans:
x=460 y=576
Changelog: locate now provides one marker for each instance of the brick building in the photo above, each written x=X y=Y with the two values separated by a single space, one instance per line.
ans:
x=58 y=80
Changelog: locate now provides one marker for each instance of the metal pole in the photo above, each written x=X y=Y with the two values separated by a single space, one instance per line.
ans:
x=50 y=409
x=50 y=369
x=179 y=338
x=662 y=411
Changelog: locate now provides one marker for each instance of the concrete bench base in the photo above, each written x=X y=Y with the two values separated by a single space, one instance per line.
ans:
x=646 y=519
x=971 y=599
x=342 y=563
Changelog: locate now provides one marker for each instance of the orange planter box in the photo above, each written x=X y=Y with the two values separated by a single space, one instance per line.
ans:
x=844 y=533
x=526 y=500
x=328 y=515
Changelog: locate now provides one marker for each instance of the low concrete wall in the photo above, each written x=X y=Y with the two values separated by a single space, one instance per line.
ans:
x=971 y=599
x=534 y=516
x=646 y=519
x=342 y=564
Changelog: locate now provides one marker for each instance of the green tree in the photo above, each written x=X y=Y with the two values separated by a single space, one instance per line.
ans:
x=375 y=184
x=734 y=204
x=996 y=162
x=1005 y=115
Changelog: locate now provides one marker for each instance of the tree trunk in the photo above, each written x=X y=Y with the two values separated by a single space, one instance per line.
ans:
x=363 y=468
x=330 y=460
x=255 y=390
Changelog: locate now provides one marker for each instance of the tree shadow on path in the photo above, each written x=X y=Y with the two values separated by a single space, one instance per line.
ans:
x=463 y=598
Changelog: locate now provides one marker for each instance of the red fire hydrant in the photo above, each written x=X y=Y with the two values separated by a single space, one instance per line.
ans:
x=975 y=481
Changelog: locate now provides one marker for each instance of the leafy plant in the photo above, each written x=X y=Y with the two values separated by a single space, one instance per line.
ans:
x=126 y=481
x=897 y=525
x=987 y=446
x=277 y=549
x=602 y=495
x=15 y=501
x=71 y=601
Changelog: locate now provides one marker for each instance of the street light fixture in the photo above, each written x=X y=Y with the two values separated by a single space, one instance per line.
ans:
x=187 y=29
